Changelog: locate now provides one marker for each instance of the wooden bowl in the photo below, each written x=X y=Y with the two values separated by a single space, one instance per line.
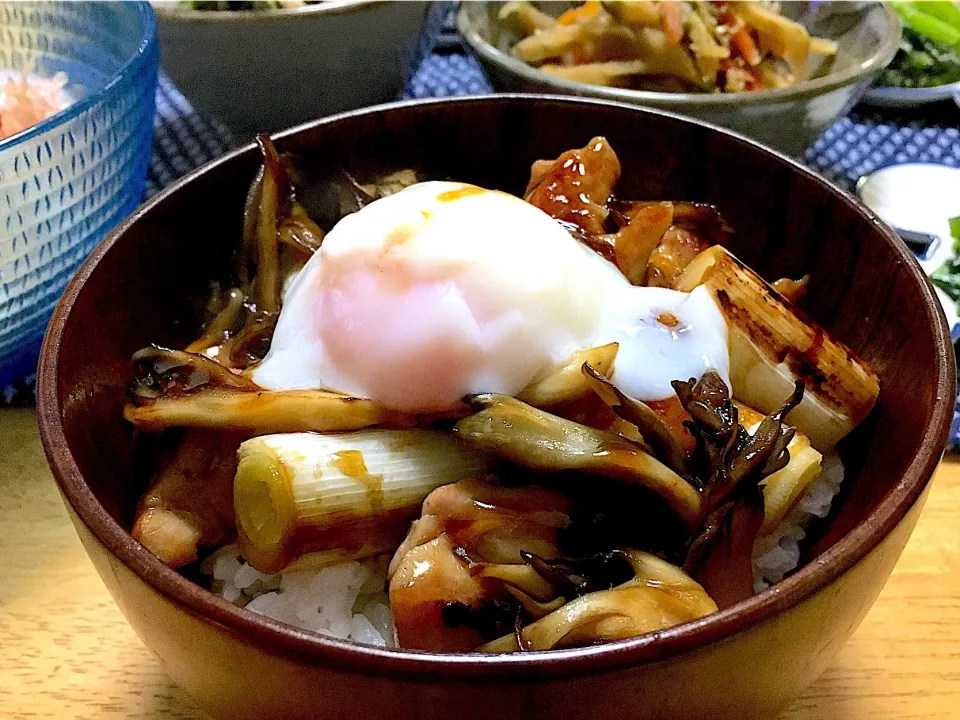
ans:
x=144 y=284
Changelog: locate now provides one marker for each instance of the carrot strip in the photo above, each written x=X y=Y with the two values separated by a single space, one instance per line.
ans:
x=744 y=46
x=574 y=15
x=671 y=21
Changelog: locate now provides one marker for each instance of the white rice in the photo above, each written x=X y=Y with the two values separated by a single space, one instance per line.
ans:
x=778 y=553
x=346 y=601
x=349 y=601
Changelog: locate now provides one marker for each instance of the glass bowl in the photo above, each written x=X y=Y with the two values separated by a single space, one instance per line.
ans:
x=789 y=120
x=68 y=180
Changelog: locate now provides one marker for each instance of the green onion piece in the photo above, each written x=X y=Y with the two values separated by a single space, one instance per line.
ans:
x=955 y=231
x=927 y=25
x=947 y=278
x=943 y=10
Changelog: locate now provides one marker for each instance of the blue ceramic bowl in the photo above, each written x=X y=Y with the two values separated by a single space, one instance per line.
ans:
x=67 y=181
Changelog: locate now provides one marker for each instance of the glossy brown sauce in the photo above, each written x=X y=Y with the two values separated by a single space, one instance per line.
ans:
x=668 y=319
x=351 y=464
x=355 y=535
x=673 y=415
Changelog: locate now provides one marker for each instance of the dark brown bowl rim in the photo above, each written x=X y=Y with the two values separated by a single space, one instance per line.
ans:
x=311 y=648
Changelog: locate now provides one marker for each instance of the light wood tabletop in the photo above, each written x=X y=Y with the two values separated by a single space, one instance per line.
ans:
x=66 y=652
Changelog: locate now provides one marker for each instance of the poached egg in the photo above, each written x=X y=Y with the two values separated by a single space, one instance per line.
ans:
x=444 y=290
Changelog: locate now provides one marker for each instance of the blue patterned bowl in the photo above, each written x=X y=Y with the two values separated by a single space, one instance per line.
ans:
x=65 y=182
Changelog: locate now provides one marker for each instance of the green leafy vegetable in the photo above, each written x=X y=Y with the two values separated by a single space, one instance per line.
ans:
x=919 y=18
x=929 y=53
x=944 y=10
x=947 y=276
x=921 y=62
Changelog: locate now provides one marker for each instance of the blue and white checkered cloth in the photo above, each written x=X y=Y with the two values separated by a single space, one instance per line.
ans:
x=860 y=143
x=182 y=139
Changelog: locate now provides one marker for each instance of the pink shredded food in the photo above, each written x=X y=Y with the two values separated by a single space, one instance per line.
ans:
x=26 y=99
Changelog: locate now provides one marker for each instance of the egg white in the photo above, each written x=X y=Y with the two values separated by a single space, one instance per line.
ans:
x=445 y=289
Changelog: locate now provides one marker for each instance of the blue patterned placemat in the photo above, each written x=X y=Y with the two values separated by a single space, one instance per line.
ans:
x=182 y=139
x=862 y=142
x=869 y=139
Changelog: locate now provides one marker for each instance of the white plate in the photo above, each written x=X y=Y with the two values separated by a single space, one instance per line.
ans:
x=920 y=197
x=894 y=97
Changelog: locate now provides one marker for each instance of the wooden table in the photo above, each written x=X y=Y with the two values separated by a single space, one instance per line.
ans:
x=65 y=650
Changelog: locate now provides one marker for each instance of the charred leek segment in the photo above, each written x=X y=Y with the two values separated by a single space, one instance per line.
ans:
x=526 y=436
x=771 y=348
x=658 y=596
x=262 y=411
x=566 y=384
x=782 y=489
x=305 y=493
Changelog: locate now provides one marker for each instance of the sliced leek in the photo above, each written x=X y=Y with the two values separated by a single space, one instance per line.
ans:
x=782 y=489
x=771 y=347
x=303 y=493
x=567 y=383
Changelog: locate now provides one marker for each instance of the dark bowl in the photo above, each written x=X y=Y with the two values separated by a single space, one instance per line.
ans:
x=143 y=283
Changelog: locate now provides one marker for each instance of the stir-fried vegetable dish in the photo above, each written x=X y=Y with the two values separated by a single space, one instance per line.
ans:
x=667 y=46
